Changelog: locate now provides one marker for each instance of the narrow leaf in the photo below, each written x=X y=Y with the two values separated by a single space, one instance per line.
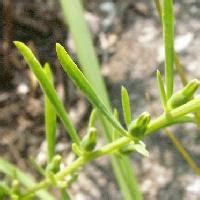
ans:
x=115 y=132
x=48 y=89
x=168 y=32
x=50 y=119
x=158 y=8
x=93 y=118
x=126 y=106
x=161 y=87
x=141 y=148
x=83 y=84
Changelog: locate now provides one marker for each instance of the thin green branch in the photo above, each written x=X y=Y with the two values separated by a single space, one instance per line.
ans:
x=179 y=67
x=170 y=118
x=168 y=35
x=74 y=17
x=162 y=121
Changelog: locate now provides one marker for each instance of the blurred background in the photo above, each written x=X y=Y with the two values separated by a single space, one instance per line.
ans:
x=128 y=41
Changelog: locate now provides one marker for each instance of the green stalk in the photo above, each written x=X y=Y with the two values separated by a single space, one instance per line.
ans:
x=73 y=14
x=113 y=147
x=168 y=35
x=74 y=18
x=50 y=119
x=179 y=67
x=171 y=117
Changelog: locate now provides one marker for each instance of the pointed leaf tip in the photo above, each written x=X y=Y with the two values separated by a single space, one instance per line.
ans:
x=19 y=44
x=162 y=91
x=123 y=88
x=16 y=42
x=58 y=45
x=126 y=106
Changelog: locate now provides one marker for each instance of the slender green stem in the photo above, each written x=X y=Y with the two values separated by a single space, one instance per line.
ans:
x=168 y=119
x=162 y=121
x=168 y=32
x=74 y=17
x=179 y=67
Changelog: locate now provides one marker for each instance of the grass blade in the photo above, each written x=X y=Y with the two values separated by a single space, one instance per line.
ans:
x=168 y=35
x=50 y=119
x=83 y=84
x=126 y=106
x=48 y=89
x=26 y=180
x=93 y=118
x=74 y=17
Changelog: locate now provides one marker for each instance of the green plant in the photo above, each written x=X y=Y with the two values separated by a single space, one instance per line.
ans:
x=179 y=107
x=74 y=18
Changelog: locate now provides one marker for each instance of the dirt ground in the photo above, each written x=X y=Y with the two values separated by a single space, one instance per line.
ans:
x=128 y=40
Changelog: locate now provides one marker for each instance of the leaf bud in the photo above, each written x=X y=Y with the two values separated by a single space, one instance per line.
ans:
x=54 y=165
x=138 y=127
x=184 y=95
x=139 y=147
x=89 y=140
x=76 y=149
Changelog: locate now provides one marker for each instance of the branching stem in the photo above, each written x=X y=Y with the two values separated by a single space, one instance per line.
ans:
x=162 y=121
